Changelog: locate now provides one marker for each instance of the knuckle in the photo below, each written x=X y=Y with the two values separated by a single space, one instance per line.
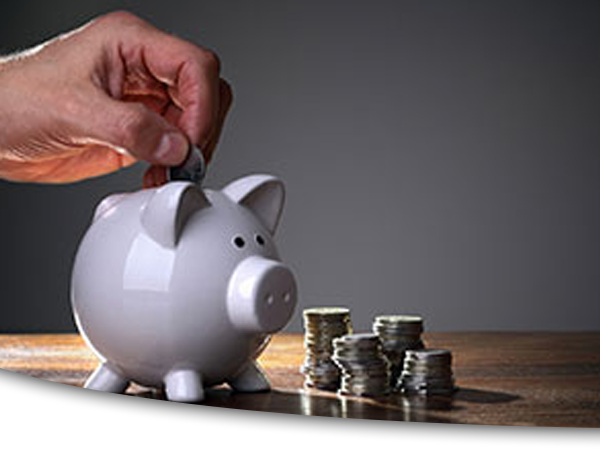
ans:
x=210 y=60
x=117 y=18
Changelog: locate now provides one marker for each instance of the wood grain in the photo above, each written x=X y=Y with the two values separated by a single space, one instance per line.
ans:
x=538 y=379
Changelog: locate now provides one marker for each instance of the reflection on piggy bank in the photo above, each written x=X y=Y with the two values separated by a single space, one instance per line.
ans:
x=179 y=287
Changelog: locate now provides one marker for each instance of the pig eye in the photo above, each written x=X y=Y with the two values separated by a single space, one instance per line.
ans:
x=239 y=242
x=260 y=240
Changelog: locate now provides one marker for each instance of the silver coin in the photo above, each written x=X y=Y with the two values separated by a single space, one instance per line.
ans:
x=429 y=391
x=326 y=312
x=407 y=328
x=193 y=169
x=428 y=355
x=362 y=340
x=399 y=319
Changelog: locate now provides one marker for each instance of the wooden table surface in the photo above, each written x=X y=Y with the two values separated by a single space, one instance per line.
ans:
x=505 y=378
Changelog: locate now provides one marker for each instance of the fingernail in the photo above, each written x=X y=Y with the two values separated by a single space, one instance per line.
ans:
x=171 y=149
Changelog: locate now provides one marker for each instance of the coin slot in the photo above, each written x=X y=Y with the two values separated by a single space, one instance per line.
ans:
x=239 y=242
x=260 y=240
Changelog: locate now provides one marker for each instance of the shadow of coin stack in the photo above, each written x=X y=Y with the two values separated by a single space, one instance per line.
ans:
x=321 y=327
x=398 y=333
x=365 y=370
x=427 y=372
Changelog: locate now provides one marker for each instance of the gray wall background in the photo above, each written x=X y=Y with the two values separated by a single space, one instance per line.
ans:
x=441 y=157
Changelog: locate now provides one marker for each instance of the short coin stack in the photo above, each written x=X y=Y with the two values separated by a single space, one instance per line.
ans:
x=365 y=370
x=321 y=326
x=398 y=333
x=427 y=371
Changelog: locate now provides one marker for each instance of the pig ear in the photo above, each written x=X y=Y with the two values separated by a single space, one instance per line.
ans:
x=169 y=208
x=263 y=194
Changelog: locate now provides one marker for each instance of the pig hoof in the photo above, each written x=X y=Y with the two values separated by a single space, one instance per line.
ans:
x=184 y=386
x=251 y=379
x=106 y=379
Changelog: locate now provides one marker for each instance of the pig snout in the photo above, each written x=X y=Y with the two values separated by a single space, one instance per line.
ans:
x=261 y=295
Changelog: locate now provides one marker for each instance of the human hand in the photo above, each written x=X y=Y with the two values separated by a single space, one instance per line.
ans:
x=99 y=98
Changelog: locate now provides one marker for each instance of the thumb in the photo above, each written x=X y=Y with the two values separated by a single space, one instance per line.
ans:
x=139 y=131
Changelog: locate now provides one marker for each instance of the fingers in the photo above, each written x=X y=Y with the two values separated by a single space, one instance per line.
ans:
x=196 y=94
x=190 y=73
x=134 y=129
x=177 y=80
x=157 y=175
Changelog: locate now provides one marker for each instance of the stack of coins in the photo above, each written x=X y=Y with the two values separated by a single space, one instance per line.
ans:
x=427 y=371
x=398 y=333
x=321 y=327
x=365 y=370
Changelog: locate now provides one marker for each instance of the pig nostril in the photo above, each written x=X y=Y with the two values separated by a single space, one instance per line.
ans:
x=269 y=299
x=287 y=297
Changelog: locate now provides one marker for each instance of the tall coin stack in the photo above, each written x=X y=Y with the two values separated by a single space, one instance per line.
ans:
x=427 y=371
x=365 y=370
x=321 y=326
x=398 y=333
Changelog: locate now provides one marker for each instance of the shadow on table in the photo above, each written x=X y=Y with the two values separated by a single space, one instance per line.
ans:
x=317 y=403
x=331 y=405
x=324 y=404
x=437 y=409
x=484 y=396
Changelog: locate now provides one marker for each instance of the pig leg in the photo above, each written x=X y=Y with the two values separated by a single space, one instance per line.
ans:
x=250 y=379
x=184 y=386
x=106 y=379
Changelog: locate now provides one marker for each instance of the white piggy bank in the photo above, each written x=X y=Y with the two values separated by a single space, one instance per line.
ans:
x=179 y=287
